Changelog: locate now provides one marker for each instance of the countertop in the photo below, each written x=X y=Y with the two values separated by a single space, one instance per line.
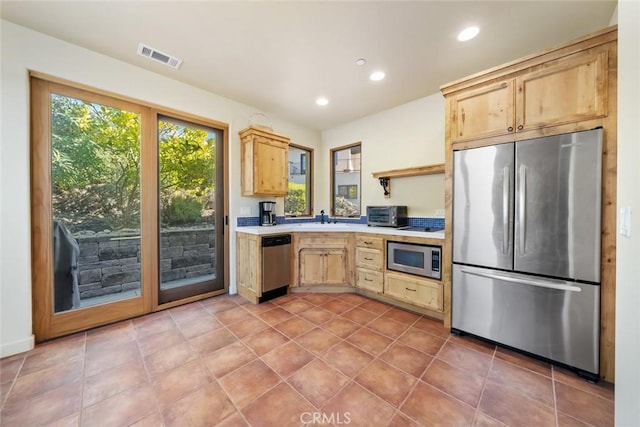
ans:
x=315 y=227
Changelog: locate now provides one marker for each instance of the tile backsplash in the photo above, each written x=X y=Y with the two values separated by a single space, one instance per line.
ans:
x=419 y=222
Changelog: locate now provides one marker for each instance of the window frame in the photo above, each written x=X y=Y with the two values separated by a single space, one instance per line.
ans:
x=309 y=168
x=332 y=179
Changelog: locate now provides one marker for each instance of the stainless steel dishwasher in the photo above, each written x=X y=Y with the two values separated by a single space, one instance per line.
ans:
x=276 y=266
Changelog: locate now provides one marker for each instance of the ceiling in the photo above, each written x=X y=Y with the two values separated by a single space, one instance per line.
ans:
x=280 y=56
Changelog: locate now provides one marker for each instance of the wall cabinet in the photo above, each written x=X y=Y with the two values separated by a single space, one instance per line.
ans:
x=323 y=259
x=553 y=93
x=264 y=161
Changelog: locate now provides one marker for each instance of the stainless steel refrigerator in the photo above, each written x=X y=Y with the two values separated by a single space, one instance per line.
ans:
x=526 y=246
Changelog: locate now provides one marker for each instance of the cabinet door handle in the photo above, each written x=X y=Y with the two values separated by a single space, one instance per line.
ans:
x=520 y=127
x=412 y=290
x=368 y=259
x=510 y=128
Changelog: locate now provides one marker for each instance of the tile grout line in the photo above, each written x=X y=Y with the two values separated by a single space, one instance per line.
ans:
x=484 y=385
x=555 y=398
x=84 y=377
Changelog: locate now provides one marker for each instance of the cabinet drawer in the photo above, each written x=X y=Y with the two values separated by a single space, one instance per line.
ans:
x=364 y=241
x=414 y=291
x=369 y=258
x=332 y=240
x=370 y=280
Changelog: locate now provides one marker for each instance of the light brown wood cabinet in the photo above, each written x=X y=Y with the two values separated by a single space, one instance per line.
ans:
x=369 y=262
x=248 y=265
x=322 y=259
x=414 y=290
x=323 y=267
x=264 y=160
x=557 y=92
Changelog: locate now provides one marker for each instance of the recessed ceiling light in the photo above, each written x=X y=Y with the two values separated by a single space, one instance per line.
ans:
x=322 y=101
x=468 y=33
x=361 y=61
x=377 y=76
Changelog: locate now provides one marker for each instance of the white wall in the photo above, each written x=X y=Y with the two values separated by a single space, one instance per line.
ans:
x=628 y=265
x=23 y=50
x=406 y=136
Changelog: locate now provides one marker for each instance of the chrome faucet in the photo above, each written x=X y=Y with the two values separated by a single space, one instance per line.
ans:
x=322 y=216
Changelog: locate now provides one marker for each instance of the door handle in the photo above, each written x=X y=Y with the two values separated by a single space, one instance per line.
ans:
x=522 y=204
x=549 y=284
x=505 y=209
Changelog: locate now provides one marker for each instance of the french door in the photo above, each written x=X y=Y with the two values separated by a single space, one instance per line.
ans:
x=128 y=208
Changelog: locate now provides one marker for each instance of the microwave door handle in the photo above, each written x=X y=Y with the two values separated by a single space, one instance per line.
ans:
x=522 y=202
x=505 y=209
x=549 y=284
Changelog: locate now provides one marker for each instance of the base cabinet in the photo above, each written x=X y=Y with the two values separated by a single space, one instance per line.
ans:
x=370 y=280
x=369 y=263
x=323 y=267
x=248 y=264
x=323 y=259
x=414 y=290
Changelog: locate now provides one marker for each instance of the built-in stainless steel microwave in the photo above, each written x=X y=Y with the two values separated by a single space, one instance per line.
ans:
x=387 y=216
x=412 y=258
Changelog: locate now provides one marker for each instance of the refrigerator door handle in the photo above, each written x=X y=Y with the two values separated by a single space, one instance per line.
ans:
x=549 y=284
x=522 y=204
x=505 y=209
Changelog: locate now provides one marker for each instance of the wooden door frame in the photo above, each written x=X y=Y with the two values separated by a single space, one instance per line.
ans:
x=46 y=323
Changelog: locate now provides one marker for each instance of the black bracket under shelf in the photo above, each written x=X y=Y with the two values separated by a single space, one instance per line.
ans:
x=384 y=182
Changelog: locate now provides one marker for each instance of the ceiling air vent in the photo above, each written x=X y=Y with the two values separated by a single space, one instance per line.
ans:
x=156 y=55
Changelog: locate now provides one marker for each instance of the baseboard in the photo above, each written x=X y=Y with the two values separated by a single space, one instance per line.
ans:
x=15 y=347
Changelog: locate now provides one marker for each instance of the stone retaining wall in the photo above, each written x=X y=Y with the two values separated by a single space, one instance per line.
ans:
x=110 y=262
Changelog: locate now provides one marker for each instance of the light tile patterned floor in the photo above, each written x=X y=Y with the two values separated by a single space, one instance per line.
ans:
x=303 y=359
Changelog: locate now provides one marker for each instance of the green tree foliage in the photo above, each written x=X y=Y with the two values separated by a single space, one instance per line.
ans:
x=296 y=201
x=96 y=165
x=187 y=175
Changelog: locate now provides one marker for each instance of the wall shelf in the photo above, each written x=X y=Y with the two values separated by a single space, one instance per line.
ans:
x=385 y=176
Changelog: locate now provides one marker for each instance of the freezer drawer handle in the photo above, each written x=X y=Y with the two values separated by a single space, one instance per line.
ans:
x=532 y=282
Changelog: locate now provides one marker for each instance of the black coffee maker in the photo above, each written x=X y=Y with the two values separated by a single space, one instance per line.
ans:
x=267 y=213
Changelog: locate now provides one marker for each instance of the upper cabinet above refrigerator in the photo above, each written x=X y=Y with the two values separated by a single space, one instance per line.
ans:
x=556 y=93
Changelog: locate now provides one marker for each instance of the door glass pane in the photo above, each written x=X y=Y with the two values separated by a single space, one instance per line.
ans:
x=345 y=173
x=190 y=208
x=95 y=166
x=299 y=198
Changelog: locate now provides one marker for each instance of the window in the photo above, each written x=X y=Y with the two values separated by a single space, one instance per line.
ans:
x=345 y=181
x=299 y=200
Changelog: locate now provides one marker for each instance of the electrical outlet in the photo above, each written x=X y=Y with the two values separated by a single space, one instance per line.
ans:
x=245 y=210
x=625 y=222
x=440 y=213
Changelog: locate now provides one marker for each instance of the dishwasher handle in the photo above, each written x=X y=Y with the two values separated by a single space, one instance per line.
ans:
x=281 y=239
